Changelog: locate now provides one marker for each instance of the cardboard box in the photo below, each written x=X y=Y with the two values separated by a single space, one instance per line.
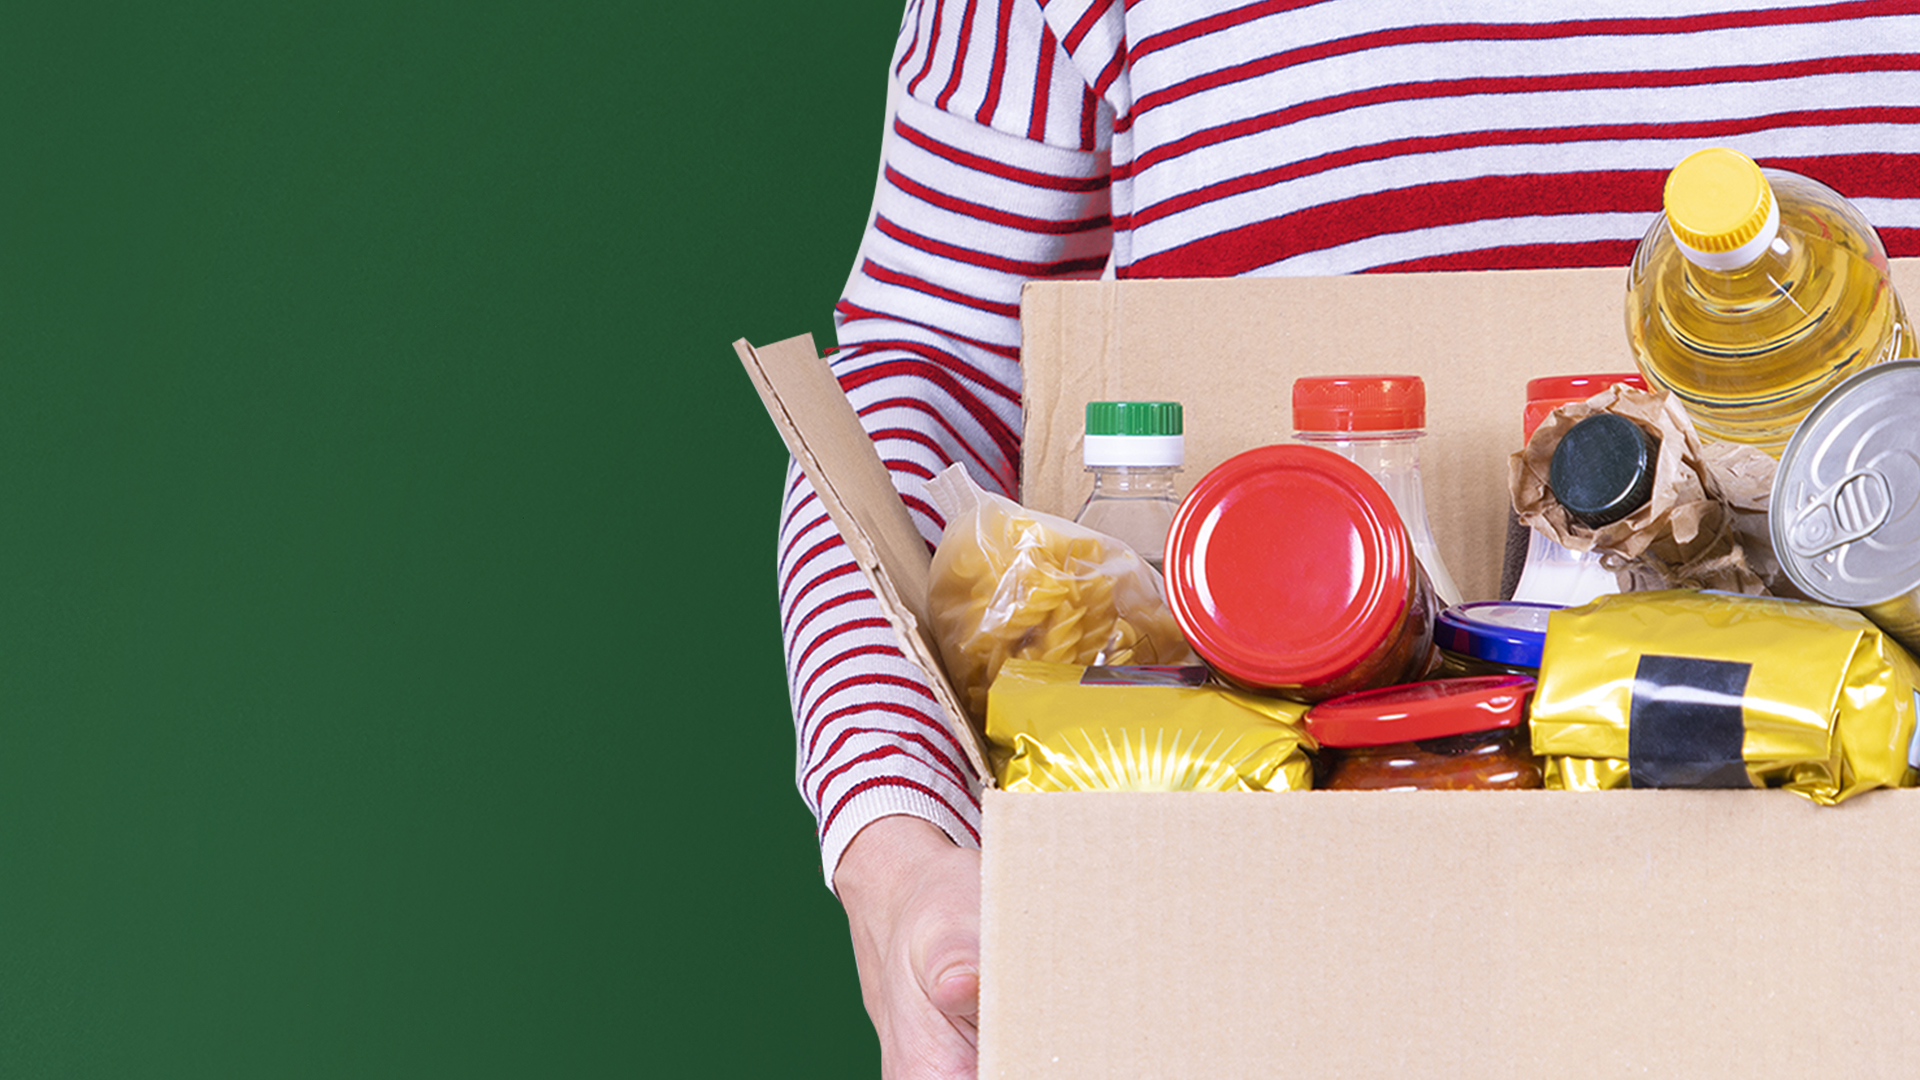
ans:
x=1331 y=934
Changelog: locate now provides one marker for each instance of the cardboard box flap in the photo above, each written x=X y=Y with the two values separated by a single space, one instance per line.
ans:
x=820 y=428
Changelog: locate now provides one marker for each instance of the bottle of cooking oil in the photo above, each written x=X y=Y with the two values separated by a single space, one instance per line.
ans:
x=1756 y=292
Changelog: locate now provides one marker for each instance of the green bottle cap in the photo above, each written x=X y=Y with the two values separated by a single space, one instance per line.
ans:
x=1134 y=418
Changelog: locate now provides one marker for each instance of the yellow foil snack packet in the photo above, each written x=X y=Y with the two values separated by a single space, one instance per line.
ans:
x=1714 y=690
x=1063 y=727
x=1007 y=581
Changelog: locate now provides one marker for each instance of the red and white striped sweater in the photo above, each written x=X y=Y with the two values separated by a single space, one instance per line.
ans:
x=1163 y=138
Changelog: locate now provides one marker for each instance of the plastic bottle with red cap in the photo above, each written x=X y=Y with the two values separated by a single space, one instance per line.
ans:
x=1551 y=573
x=1377 y=421
x=1290 y=572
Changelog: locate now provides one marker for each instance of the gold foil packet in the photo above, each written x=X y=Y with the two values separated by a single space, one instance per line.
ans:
x=1062 y=727
x=1715 y=690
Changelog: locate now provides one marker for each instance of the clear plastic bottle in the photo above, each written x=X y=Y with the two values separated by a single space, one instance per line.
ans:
x=1376 y=422
x=1547 y=572
x=1134 y=449
x=1754 y=294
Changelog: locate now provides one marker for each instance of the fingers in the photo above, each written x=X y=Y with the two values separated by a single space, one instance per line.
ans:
x=950 y=976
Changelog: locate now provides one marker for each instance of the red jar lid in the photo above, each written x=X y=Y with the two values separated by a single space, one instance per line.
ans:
x=1549 y=392
x=1359 y=403
x=1288 y=567
x=1424 y=710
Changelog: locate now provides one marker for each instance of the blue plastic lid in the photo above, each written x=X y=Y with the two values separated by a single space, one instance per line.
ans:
x=1511 y=633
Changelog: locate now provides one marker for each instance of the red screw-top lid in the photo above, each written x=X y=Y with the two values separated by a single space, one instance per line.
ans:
x=1288 y=567
x=1549 y=392
x=1359 y=403
x=1423 y=710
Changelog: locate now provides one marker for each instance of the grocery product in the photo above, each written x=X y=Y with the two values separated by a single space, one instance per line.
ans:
x=1691 y=689
x=1007 y=581
x=1376 y=422
x=1134 y=449
x=1289 y=570
x=1846 y=502
x=1603 y=468
x=1062 y=727
x=1701 y=524
x=1445 y=734
x=1492 y=637
x=1755 y=292
x=1535 y=566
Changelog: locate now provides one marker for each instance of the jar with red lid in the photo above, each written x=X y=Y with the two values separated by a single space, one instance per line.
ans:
x=1442 y=735
x=1291 y=573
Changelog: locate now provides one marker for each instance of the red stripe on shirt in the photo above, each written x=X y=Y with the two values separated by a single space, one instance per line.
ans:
x=997 y=74
x=1256 y=244
x=1514 y=85
x=959 y=57
x=978 y=211
x=1880 y=174
x=826 y=822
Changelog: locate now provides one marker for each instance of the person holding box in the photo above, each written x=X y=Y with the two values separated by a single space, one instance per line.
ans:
x=1033 y=139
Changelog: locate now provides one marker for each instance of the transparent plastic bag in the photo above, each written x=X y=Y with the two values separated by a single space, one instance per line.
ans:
x=1008 y=581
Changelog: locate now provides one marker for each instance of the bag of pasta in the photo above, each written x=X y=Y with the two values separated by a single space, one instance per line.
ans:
x=1715 y=690
x=1008 y=581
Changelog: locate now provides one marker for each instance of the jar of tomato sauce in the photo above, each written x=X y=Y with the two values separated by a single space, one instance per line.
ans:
x=1445 y=734
x=1291 y=573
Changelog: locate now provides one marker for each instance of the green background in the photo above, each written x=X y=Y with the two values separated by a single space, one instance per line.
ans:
x=391 y=681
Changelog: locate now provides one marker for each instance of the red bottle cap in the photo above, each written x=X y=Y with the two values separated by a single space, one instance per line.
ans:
x=1424 y=710
x=1359 y=403
x=1549 y=392
x=1288 y=567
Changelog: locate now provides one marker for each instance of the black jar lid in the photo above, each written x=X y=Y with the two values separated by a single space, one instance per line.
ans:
x=1603 y=469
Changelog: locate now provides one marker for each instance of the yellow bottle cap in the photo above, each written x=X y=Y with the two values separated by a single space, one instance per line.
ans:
x=1717 y=200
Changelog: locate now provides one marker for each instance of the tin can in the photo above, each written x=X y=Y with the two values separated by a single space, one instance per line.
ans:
x=1291 y=573
x=1845 y=511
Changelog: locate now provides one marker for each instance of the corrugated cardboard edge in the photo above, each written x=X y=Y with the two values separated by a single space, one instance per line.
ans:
x=820 y=428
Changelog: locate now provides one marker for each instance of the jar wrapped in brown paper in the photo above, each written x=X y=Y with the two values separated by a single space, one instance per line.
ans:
x=1705 y=523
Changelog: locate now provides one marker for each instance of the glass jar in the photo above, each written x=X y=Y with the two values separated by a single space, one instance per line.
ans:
x=1290 y=572
x=1492 y=637
x=1536 y=567
x=1441 y=735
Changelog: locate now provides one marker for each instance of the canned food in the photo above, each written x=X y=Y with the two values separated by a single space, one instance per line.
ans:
x=1291 y=573
x=1447 y=734
x=1845 y=513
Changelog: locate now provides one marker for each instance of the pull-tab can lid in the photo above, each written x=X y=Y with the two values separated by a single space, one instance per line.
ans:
x=1845 y=511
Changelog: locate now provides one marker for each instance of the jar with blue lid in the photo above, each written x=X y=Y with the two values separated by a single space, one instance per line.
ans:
x=1492 y=637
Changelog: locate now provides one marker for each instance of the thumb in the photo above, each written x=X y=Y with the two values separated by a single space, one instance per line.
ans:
x=949 y=972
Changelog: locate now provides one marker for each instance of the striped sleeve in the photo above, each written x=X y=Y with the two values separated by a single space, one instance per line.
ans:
x=994 y=172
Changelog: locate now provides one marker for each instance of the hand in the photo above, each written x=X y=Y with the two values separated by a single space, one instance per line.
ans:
x=913 y=906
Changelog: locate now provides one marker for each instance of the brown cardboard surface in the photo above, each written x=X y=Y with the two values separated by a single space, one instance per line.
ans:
x=820 y=429
x=1460 y=934
x=1449 y=935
